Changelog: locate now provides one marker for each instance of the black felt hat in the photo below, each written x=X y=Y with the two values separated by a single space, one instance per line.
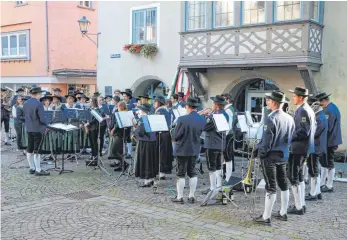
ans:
x=227 y=96
x=56 y=96
x=277 y=96
x=96 y=94
x=219 y=100
x=47 y=96
x=145 y=107
x=20 y=90
x=108 y=96
x=300 y=91
x=322 y=95
x=3 y=89
x=36 y=90
x=127 y=92
x=83 y=96
x=160 y=99
x=311 y=100
x=144 y=96
x=180 y=94
x=174 y=96
x=193 y=102
x=71 y=95
x=24 y=97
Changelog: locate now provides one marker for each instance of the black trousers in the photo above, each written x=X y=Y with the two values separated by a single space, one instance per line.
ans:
x=6 y=122
x=312 y=164
x=93 y=138
x=213 y=159
x=18 y=128
x=330 y=157
x=229 y=149
x=34 y=142
x=186 y=165
x=274 y=171
x=102 y=137
x=296 y=168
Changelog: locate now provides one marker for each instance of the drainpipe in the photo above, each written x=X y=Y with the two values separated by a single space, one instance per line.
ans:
x=46 y=33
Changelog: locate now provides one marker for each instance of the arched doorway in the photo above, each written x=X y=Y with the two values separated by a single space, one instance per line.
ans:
x=249 y=96
x=150 y=85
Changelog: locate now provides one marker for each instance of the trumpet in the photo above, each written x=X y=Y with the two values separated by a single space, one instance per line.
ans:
x=205 y=111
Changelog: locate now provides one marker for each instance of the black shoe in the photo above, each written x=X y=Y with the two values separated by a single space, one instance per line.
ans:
x=326 y=189
x=31 y=171
x=191 y=200
x=42 y=173
x=309 y=197
x=128 y=156
x=7 y=144
x=304 y=207
x=147 y=184
x=260 y=220
x=119 y=168
x=179 y=201
x=280 y=217
x=205 y=192
x=293 y=210
x=114 y=164
x=319 y=196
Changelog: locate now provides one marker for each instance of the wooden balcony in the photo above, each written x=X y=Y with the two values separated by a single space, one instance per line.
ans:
x=281 y=44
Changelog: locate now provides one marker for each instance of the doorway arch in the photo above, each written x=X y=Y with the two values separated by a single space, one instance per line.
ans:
x=151 y=85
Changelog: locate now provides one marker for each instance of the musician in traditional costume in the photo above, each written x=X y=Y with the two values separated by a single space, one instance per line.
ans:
x=5 y=114
x=20 y=92
x=128 y=99
x=117 y=93
x=108 y=99
x=70 y=102
x=147 y=166
x=35 y=125
x=302 y=146
x=56 y=103
x=214 y=144
x=115 y=102
x=117 y=137
x=320 y=150
x=334 y=139
x=186 y=135
x=57 y=92
x=181 y=101
x=19 y=125
x=46 y=101
x=78 y=94
x=82 y=102
x=103 y=124
x=229 y=150
x=273 y=150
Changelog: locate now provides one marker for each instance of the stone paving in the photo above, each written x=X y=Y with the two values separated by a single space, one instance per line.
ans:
x=83 y=205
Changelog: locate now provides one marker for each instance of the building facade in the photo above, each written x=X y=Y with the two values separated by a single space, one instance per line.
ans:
x=245 y=48
x=42 y=44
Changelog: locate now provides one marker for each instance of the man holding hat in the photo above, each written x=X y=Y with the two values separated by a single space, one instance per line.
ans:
x=273 y=150
x=213 y=144
x=166 y=157
x=20 y=92
x=181 y=101
x=35 y=126
x=57 y=92
x=229 y=150
x=302 y=146
x=333 y=116
x=187 y=138
x=320 y=150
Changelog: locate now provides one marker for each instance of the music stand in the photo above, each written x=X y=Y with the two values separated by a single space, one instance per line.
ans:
x=100 y=163
x=156 y=123
x=124 y=121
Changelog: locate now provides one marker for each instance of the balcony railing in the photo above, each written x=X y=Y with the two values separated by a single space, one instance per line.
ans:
x=276 y=44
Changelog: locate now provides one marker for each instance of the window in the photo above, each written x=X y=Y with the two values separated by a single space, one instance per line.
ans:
x=316 y=11
x=87 y=4
x=287 y=10
x=253 y=12
x=15 y=45
x=223 y=13
x=196 y=15
x=20 y=3
x=144 y=26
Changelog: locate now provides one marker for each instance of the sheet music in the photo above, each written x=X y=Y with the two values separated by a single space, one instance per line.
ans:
x=182 y=111
x=124 y=119
x=243 y=123
x=221 y=123
x=158 y=123
x=96 y=115
x=62 y=126
x=132 y=117
x=176 y=113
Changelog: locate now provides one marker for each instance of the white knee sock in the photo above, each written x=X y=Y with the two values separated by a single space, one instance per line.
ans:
x=37 y=162
x=213 y=180
x=284 y=202
x=229 y=170
x=193 y=182
x=30 y=158
x=181 y=182
x=331 y=174
x=324 y=173
x=219 y=178
x=269 y=203
x=7 y=137
x=305 y=172
x=297 y=196
x=302 y=195
x=318 y=185
x=314 y=182
x=129 y=148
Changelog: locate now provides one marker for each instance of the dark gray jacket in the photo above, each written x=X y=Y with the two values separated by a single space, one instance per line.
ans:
x=214 y=139
x=333 y=115
x=320 y=137
x=34 y=116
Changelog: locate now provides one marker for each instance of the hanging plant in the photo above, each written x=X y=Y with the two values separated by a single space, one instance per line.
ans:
x=146 y=50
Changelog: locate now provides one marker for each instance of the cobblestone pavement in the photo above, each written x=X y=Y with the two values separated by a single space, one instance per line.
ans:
x=83 y=205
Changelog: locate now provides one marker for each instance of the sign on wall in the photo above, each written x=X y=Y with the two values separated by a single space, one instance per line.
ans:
x=115 y=55
x=108 y=90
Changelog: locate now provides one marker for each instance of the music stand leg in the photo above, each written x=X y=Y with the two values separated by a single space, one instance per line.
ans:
x=62 y=160
x=156 y=184
x=123 y=156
